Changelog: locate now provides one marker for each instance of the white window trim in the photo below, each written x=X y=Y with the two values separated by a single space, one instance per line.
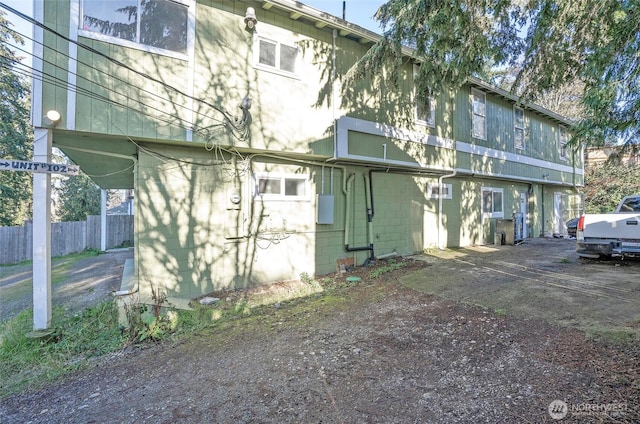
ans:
x=432 y=195
x=516 y=128
x=492 y=214
x=282 y=177
x=475 y=92
x=191 y=25
x=274 y=69
x=562 y=142
x=432 y=105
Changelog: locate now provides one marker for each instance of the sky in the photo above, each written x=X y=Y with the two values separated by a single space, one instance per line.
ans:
x=359 y=12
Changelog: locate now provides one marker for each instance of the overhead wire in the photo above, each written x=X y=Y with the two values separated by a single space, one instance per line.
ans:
x=229 y=122
x=31 y=72
x=91 y=67
x=228 y=118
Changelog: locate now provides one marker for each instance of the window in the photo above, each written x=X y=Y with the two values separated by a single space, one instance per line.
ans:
x=274 y=56
x=518 y=128
x=159 y=24
x=492 y=204
x=435 y=191
x=282 y=186
x=632 y=204
x=479 y=121
x=563 y=137
x=425 y=108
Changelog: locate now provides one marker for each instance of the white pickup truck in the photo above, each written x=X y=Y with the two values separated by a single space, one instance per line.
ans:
x=611 y=234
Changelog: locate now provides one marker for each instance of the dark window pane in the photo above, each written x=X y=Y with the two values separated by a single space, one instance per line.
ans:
x=487 y=202
x=423 y=105
x=294 y=187
x=269 y=186
x=116 y=18
x=163 y=24
x=497 y=201
x=288 y=58
x=267 y=53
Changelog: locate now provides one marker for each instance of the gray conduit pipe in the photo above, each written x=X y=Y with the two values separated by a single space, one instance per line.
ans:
x=453 y=174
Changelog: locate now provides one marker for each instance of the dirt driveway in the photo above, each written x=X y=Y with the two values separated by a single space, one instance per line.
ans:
x=81 y=282
x=401 y=348
x=543 y=278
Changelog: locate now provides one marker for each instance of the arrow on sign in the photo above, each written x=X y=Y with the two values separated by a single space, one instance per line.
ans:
x=47 y=168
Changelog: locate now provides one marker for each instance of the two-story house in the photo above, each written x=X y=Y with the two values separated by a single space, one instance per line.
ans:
x=254 y=161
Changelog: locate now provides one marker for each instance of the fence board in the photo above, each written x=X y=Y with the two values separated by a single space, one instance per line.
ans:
x=16 y=243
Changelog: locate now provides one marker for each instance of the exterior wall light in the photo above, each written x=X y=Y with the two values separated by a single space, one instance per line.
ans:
x=250 y=19
x=52 y=118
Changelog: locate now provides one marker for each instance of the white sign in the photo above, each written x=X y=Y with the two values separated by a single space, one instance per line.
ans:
x=47 y=168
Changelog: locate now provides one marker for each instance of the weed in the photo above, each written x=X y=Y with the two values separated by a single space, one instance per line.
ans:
x=500 y=312
x=564 y=261
x=150 y=324
x=381 y=270
x=305 y=278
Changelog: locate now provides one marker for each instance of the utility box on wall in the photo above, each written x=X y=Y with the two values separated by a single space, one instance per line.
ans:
x=324 y=209
x=505 y=226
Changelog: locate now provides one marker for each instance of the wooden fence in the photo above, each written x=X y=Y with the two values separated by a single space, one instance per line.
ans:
x=16 y=243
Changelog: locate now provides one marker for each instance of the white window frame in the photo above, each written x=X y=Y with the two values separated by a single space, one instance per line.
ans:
x=563 y=139
x=517 y=128
x=275 y=69
x=431 y=119
x=493 y=213
x=433 y=191
x=191 y=24
x=478 y=98
x=283 y=178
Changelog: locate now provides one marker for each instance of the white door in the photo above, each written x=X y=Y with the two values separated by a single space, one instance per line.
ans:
x=558 y=209
x=524 y=210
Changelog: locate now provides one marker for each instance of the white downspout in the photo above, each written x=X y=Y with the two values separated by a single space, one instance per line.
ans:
x=453 y=174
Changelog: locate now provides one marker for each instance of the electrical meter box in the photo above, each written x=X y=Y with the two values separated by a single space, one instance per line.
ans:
x=324 y=209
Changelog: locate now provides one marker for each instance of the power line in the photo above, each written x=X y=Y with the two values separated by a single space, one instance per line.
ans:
x=233 y=126
x=114 y=77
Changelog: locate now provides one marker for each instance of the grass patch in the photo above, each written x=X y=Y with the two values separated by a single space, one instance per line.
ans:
x=33 y=362
x=60 y=267
x=613 y=336
x=93 y=332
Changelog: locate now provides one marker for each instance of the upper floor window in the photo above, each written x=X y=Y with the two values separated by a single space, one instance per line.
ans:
x=492 y=202
x=563 y=138
x=271 y=186
x=425 y=105
x=479 y=120
x=518 y=128
x=275 y=56
x=436 y=191
x=158 y=24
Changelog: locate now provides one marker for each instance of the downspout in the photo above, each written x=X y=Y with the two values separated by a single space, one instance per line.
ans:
x=334 y=76
x=543 y=216
x=442 y=177
x=347 y=225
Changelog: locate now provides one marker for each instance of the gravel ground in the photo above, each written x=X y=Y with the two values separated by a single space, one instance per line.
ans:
x=374 y=352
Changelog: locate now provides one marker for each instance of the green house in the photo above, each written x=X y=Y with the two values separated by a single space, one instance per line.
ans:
x=252 y=159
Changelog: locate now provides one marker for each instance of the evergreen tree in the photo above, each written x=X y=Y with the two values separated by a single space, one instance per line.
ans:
x=552 y=43
x=15 y=132
x=79 y=197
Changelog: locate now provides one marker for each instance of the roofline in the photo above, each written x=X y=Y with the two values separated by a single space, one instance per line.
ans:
x=365 y=35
